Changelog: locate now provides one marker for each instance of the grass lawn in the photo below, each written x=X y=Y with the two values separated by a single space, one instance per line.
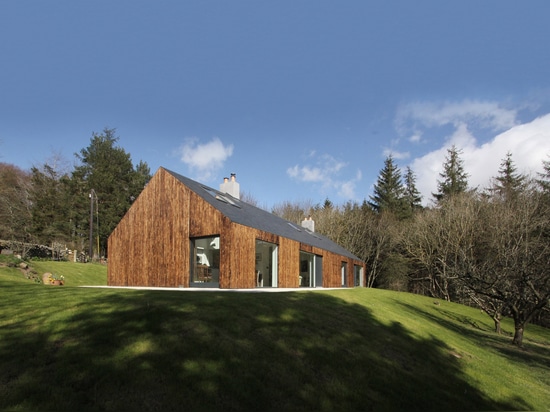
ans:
x=85 y=349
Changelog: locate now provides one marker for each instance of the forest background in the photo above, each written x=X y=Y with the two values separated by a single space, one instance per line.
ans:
x=484 y=247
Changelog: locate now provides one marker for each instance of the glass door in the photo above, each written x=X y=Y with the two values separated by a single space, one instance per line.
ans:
x=266 y=264
x=205 y=266
x=307 y=270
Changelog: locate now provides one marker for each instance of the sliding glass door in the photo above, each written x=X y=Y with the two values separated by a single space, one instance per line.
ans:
x=266 y=264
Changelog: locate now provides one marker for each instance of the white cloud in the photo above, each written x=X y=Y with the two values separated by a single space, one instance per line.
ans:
x=306 y=173
x=529 y=144
x=396 y=155
x=204 y=158
x=325 y=174
x=415 y=137
x=324 y=170
x=486 y=114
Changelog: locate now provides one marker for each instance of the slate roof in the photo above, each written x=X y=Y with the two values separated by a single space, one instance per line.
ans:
x=248 y=215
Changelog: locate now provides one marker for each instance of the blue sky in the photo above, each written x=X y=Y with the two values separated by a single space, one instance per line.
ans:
x=303 y=100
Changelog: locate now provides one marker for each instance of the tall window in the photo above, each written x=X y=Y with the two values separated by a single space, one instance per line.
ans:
x=358 y=275
x=205 y=267
x=344 y=273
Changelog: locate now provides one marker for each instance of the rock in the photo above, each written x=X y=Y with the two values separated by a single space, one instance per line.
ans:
x=23 y=266
x=46 y=278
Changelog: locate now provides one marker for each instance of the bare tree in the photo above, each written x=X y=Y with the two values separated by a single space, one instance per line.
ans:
x=512 y=269
x=441 y=242
x=15 y=206
x=293 y=211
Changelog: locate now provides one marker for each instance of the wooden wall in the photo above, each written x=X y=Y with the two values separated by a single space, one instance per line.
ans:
x=289 y=263
x=151 y=245
x=238 y=255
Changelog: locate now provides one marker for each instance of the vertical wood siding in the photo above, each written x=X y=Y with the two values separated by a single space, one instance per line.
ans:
x=150 y=246
x=240 y=253
x=289 y=263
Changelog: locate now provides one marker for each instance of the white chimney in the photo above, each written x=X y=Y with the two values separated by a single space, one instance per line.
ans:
x=309 y=224
x=231 y=186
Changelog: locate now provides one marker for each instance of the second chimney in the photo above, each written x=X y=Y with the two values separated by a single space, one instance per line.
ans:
x=231 y=186
x=309 y=224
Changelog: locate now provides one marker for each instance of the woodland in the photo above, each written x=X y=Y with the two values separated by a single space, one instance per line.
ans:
x=484 y=247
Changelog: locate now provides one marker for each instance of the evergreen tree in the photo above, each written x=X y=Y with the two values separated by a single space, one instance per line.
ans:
x=327 y=204
x=455 y=179
x=142 y=177
x=389 y=190
x=508 y=182
x=107 y=170
x=412 y=196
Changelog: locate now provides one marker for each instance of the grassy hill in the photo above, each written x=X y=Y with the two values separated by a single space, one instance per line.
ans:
x=72 y=348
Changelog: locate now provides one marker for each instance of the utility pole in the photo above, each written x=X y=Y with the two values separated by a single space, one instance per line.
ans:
x=91 y=195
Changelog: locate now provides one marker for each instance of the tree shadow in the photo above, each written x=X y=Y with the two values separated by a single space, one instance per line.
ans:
x=532 y=354
x=157 y=350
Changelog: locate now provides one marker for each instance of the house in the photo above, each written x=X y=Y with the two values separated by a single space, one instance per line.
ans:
x=181 y=233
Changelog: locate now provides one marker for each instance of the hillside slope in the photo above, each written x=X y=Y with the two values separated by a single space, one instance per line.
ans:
x=67 y=348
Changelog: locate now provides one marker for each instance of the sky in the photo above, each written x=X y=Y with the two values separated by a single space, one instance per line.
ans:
x=302 y=99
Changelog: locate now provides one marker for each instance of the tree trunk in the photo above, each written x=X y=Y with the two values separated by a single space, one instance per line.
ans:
x=518 y=335
x=496 y=319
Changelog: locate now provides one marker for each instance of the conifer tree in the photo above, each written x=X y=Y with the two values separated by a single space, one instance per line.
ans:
x=455 y=179
x=389 y=190
x=508 y=182
x=412 y=196
x=108 y=170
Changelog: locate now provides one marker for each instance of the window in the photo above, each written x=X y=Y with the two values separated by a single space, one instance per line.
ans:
x=358 y=275
x=205 y=266
x=221 y=197
x=344 y=269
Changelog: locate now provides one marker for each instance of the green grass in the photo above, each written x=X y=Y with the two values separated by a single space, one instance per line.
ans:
x=75 y=274
x=70 y=348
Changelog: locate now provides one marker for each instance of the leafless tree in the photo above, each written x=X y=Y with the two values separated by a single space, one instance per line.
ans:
x=15 y=206
x=513 y=257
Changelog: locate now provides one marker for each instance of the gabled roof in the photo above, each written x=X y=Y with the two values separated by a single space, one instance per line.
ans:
x=248 y=215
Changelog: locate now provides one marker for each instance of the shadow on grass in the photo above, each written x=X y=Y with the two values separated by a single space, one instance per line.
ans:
x=151 y=350
x=532 y=354
x=532 y=351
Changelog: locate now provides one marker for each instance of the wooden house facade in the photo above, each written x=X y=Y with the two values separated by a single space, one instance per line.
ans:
x=181 y=233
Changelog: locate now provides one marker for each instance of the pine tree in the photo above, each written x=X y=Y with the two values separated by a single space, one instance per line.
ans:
x=108 y=170
x=455 y=179
x=508 y=182
x=412 y=196
x=389 y=190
